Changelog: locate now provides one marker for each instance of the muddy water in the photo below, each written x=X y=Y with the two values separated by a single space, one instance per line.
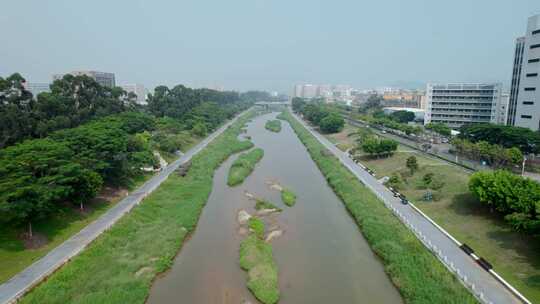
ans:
x=321 y=257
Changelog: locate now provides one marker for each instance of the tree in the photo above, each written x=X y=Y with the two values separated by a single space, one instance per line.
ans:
x=379 y=147
x=37 y=175
x=373 y=102
x=332 y=123
x=512 y=195
x=199 y=129
x=402 y=116
x=526 y=140
x=439 y=128
x=412 y=164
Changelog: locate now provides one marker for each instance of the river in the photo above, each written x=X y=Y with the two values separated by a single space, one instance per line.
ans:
x=322 y=256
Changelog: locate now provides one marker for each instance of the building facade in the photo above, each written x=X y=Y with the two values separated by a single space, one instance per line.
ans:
x=137 y=89
x=524 y=108
x=457 y=104
x=36 y=88
x=516 y=77
x=103 y=78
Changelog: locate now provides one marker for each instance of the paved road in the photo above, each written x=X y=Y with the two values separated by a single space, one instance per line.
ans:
x=486 y=287
x=19 y=284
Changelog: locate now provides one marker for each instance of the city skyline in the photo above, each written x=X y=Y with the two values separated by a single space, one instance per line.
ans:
x=311 y=46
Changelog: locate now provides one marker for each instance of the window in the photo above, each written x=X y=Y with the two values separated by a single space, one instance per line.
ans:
x=526 y=116
x=534 y=60
x=528 y=102
x=534 y=46
x=536 y=32
x=530 y=89
x=532 y=75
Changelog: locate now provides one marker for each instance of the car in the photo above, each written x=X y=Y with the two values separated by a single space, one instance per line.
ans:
x=404 y=201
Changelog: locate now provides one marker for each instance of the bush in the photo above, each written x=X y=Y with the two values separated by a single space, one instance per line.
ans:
x=512 y=195
x=332 y=123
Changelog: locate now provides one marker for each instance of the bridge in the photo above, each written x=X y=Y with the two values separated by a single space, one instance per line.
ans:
x=267 y=105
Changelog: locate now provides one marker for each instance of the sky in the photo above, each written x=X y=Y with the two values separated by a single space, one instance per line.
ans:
x=265 y=44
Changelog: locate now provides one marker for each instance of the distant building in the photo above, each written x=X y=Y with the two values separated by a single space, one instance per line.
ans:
x=457 y=104
x=36 y=88
x=137 y=89
x=524 y=104
x=502 y=113
x=103 y=78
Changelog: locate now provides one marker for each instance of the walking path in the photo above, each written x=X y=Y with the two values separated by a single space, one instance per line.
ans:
x=483 y=284
x=22 y=282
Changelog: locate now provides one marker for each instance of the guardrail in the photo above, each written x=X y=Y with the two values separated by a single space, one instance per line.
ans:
x=484 y=264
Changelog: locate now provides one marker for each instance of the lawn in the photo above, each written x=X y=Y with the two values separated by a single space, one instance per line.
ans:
x=243 y=166
x=514 y=255
x=416 y=272
x=15 y=257
x=120 y=265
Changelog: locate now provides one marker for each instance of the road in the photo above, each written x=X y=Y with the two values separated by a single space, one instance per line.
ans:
x=486 y=288
x=22 y=282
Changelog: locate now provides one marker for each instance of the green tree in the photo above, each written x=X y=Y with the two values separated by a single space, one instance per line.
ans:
x=332 y=123
x=37 y=175
x=412 y=164
x=402 y=116
x=199 y=129
x=512 y=195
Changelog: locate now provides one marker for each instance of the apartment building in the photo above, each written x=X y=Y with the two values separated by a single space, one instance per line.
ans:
x=103 y=78
x=524 y=107
x=457 y=104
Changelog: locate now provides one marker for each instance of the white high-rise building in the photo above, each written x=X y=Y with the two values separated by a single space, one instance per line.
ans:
x=103 y=78
x=137 y=89
x=524 y=104
x=457 y=104
x=37 y=87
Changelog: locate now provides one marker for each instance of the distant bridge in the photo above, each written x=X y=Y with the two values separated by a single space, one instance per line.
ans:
x=269 y=103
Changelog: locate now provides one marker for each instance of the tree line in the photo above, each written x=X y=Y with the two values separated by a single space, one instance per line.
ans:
x=62 y=147
x=327 y=119
x=73 y=100
x=494 y=155
x=514 y=197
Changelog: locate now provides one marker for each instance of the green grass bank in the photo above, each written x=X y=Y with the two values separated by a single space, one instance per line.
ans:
x=418 y=274
x=256 y=258
x=288 y=197
x=119 y=266
x=243 y=166
x=273 y=125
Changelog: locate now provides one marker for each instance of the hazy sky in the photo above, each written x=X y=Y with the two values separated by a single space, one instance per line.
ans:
x=264 y=44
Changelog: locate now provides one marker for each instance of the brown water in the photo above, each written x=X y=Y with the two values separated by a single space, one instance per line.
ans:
x=321 y=257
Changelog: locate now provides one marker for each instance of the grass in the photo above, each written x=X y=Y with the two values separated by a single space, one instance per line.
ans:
x=288 y=197
x=256 y=258
x=257 y=226
x=14 y=257
x=119 y=266
x=243 y=166
x=273 y=125
x=514 y=255
x=264 y=204
x=418 y=274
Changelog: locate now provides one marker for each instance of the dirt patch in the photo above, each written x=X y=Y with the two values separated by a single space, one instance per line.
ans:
x=37 y=240
x=143 y=270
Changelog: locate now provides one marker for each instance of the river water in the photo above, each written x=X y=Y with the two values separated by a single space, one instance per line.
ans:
x=321 y=256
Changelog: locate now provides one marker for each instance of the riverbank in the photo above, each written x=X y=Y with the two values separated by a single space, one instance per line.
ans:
x=419 y=275
x=121 y=264
x=512 y=254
